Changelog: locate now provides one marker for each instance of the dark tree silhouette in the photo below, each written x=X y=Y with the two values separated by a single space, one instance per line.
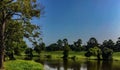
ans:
x=92 y=43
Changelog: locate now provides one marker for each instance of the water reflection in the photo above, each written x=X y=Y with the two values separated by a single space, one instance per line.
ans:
x=80 y=65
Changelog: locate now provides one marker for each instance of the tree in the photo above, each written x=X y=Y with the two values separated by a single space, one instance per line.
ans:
x=60 y=44
x=17 y=10
x=39 y=48
x=65 y=41
x=117 y=46
x=77 y=45
x=92 y=43
x=88 y=54
x=95 y=51
x=52 y=47
x=29 y=53
x=42 y=46
x=14 y=39
x=108 y=44
x=66 y=49
x=107 y=53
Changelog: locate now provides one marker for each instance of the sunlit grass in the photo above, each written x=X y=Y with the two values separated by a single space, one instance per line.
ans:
x=78 y=55
x=22 y=65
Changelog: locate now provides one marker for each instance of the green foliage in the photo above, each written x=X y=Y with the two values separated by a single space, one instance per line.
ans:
x=108 y=44
x=29 y=53
x=22 y=65
x=60 y=44
x=107 y=53
x=117 y=46
x=39 y=48
x=52 y=47
x=14 y=38
x=66 y=49
x=88 y=54
x=91 y=43
x=95 y=51
x=15 y=23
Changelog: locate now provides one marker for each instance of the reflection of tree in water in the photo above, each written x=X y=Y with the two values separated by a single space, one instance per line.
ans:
x=107 y=65
x=84 y=65
x=65 y=64
x=75 y=65
x=71 y=65
x=116 y=65
x=54 y=64
x=99 y=65
x=93 y=65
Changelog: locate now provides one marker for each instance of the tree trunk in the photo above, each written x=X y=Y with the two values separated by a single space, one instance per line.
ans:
x=98 y=56
x=2 y=45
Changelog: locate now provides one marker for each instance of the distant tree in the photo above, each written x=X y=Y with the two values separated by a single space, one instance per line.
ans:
x=77 y=45
x=52 y=47
x=109 y=44
x=66 y=52
x=29 y=53
x=42 y=46
x=65 y=41
x=39 y=48
x=84 y=47
x=60 y=44
x=66 y=49
x=88 y=54
x=95 y=51
x=117 y=46
x=92 y=43
x=107 y=53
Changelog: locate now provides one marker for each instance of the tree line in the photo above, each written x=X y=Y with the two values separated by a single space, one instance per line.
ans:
x=93 y=48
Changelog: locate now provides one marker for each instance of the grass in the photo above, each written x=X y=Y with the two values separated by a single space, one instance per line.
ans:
x=22 y=65
x=116 y=56
x=78 y=55
x=59 y=54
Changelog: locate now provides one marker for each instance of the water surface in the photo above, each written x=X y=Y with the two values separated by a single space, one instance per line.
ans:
x=80 y=65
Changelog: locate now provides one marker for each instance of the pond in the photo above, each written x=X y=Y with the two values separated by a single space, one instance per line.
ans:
x=80 y=65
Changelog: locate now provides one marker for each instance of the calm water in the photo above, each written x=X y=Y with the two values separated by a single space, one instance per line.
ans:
x=80 y=65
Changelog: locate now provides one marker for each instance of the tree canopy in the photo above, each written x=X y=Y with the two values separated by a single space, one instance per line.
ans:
x=15 y=21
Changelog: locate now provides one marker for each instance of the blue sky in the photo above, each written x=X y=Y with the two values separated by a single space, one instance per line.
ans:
x=74 y=19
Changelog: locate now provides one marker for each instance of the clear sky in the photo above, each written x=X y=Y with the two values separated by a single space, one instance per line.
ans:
x=74 y=19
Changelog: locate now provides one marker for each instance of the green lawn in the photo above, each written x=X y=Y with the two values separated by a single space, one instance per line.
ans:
x=22 y=65
x=78 y=55
x=59 y=54
x=116 y=55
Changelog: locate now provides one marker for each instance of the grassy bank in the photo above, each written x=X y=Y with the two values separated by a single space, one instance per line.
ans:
x=22 y=65
x=116 y=56
x=59 y=54
x=78 y=55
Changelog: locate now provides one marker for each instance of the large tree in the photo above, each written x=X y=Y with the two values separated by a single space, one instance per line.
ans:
x=21 y=11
